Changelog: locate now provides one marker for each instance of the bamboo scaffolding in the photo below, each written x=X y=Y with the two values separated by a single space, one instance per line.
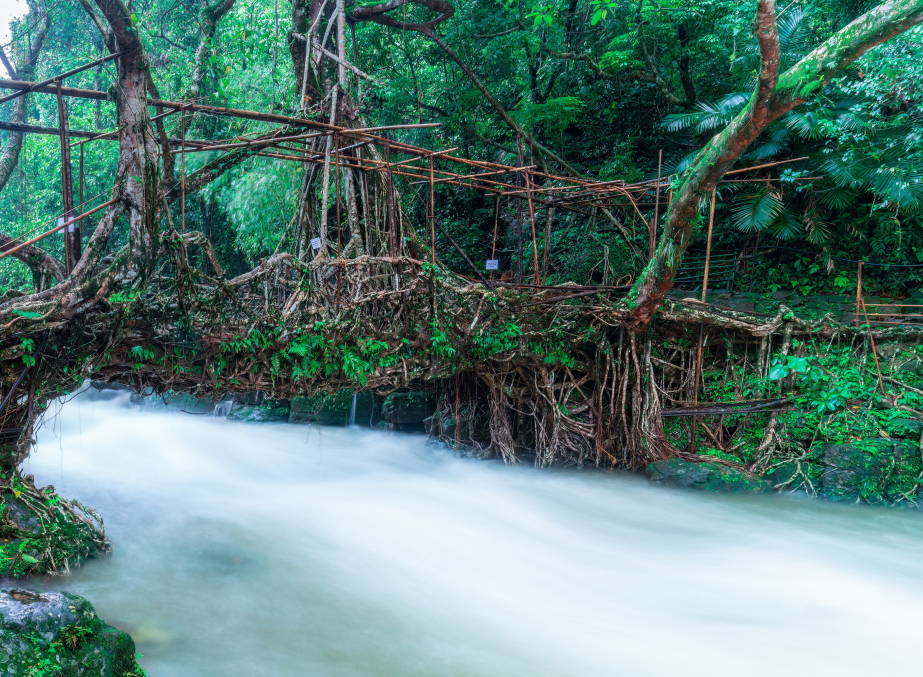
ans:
x=54 y=230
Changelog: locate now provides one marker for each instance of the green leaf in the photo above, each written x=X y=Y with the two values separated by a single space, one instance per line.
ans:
x=777 y=372
x=27 y=314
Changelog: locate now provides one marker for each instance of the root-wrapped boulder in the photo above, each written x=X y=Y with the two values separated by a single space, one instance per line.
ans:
x=45 y=633
x=42 y=533
x=877 y=470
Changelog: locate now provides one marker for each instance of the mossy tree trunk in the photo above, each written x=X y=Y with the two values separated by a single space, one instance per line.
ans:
x=774 y=95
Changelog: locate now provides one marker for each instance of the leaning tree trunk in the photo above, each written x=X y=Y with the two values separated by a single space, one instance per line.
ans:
x=773 y=96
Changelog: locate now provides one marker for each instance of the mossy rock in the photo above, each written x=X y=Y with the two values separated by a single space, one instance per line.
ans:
x=172 y=401
x=408 y=408
x=787 y=477
x=270 y=411
x=57 y=633
x=676 y=472
x=905 y=427
x=334 y=409
x=875 y=470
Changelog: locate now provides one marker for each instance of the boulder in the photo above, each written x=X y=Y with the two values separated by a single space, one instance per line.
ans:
x=676 y=472
x=172 y=401
x=268 y=411
x=411 y=408
x=335 y=409
x=874 y=470
x=908 y=427
x=741 y=301
x=45 y=633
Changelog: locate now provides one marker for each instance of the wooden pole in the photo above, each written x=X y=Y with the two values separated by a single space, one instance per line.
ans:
x=76 y=236
x=392 y=216
x=711 y=223
x=66 y=182
x=432 y=212
x=336 y=183
x=858 y=294
x=81 y=177
x=874 y=351
x=54 y=230
x=182 y=174
x=532 y=221
x=58 y=78
x=770 y=164
x=493 y=249
x=698 y=361
x=652 y=242
x=519 y=210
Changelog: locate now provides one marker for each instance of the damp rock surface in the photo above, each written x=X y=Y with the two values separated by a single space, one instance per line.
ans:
x=58 y=633
x=676 y=472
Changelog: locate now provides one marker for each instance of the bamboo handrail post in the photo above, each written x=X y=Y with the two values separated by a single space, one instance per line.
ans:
x=532 y=222
x=182 y=174
x=66 y=183
x=881 y=385
x=698 y=361
x=652 y=244
x=519 y=210
x=493 y=249
x=432 y=213
x=858 y=292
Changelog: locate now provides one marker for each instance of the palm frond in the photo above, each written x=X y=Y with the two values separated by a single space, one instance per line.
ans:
x=774 y=141
x=788 y=226
x=708 y=116
x=837 y=197
x=756 y=212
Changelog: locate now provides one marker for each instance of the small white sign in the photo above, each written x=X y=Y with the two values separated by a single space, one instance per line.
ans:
x=405 y=241
x=492 y=264
x=315 y=242
x=70 y=226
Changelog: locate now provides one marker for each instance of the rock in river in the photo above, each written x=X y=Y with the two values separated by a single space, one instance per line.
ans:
x=57 y=633
x=676 y=472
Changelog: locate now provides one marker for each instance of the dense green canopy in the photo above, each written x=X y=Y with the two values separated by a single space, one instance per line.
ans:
x=602 y=86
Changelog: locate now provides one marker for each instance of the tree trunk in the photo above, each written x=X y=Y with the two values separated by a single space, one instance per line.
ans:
x=773 y=96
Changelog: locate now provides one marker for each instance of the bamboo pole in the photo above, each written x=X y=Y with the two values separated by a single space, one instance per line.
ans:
x=858 y=293
x=432 y=212
x=182 y=180
x=336 y=143
x=58 y=78
x=54 y=230
x=769 y=164
x=66 y=182
x=874 y=351
x=532 y=221
x=519 y=210
x=698 y=361
x=493 y=250
x=652 y=243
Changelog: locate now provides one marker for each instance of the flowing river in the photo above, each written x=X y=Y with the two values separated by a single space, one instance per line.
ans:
x=280 y=550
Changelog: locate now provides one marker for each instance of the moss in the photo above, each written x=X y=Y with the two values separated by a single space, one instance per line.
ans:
x=62 y=637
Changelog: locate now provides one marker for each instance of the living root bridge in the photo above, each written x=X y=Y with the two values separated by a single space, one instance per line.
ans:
x=556 y=382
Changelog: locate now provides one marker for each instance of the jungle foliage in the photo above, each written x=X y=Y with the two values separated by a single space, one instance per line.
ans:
x=602 y=84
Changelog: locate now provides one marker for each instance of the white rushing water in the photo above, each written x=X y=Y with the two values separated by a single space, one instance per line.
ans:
x=281 y=550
